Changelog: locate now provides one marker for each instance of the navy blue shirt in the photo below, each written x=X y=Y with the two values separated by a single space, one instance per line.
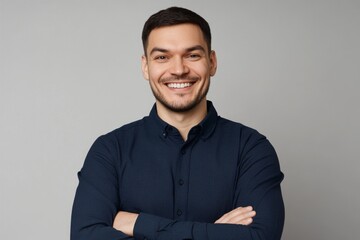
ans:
x=179 y=188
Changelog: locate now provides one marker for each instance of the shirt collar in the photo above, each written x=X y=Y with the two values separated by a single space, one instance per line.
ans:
x=207 y=125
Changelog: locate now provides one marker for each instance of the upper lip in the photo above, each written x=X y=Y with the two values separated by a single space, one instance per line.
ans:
x=168 y=82
x=180 y=80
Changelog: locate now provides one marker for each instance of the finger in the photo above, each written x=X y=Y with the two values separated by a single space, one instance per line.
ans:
x=234 y=213
x=237 y=212
x=245 y=218
x=225 y=218
x=241 y=218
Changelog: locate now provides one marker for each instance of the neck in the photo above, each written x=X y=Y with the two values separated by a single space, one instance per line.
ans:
x=183 y=121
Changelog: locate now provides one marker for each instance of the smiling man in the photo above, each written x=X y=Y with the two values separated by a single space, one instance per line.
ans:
x=182 y=172
x=178 y=65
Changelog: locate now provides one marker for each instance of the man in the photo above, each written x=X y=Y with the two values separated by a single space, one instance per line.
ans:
x=183 y=172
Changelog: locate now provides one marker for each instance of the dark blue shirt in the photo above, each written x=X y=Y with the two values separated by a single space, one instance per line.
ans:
x=179 y=187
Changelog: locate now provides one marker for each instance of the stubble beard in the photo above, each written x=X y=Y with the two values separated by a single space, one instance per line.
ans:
x=180 y=108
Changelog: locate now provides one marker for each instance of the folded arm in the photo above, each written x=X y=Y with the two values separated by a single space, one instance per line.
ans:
x=97 y=202
x=125 y=221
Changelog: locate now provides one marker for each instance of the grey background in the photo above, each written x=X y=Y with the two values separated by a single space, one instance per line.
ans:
x=70 y=71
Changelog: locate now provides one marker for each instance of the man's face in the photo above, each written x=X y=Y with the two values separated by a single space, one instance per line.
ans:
x=178 y=66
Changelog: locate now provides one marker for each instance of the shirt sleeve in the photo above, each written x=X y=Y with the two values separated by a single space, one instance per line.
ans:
x=257 y=185
x=96 y=199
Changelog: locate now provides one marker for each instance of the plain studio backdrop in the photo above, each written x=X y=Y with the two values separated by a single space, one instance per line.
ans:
x=70 y=71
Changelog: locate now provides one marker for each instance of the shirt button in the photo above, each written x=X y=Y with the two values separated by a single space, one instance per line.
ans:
x=181 y=182
x=179 y=212
x=164 y=134
x=183 y=151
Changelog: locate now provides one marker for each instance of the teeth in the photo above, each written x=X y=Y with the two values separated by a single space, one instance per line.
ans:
x=179 y=85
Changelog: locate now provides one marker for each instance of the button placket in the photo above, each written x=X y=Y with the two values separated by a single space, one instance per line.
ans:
x=181 y=187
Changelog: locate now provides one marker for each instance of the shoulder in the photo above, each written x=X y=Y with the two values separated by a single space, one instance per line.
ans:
x=117 y=136
x=128 y=128
x=248 y=139
x=241 y=129
x=254 y=149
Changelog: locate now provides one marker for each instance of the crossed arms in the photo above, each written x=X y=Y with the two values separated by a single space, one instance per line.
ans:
x=125 y=221
x=96 y=213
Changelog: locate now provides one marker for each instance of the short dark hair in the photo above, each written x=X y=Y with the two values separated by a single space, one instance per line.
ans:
x=174 y=16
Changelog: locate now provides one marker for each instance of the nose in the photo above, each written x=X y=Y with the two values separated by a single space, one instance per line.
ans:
x=179 y=67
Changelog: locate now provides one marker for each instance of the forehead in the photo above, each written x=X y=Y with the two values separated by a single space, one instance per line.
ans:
x=176 y=37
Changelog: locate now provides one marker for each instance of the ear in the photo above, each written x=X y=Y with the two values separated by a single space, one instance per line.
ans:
x=213 y=63
x=144 y=67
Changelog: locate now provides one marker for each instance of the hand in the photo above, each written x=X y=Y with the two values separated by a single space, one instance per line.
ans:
x=240 y=215
x=125 y=222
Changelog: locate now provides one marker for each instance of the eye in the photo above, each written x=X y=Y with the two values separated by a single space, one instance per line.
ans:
x=161 y=58
x=194 y=56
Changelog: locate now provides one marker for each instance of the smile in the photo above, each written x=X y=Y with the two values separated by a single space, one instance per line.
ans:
x=179 y=85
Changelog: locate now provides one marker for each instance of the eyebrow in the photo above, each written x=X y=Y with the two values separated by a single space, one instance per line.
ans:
x=190 y=49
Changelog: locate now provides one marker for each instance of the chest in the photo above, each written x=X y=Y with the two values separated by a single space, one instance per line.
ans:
x=193 y=181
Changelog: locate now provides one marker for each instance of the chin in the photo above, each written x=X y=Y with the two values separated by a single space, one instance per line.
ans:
x=181 y=107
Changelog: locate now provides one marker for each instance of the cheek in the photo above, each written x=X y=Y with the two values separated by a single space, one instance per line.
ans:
x=155 y=73
x=202 y=70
